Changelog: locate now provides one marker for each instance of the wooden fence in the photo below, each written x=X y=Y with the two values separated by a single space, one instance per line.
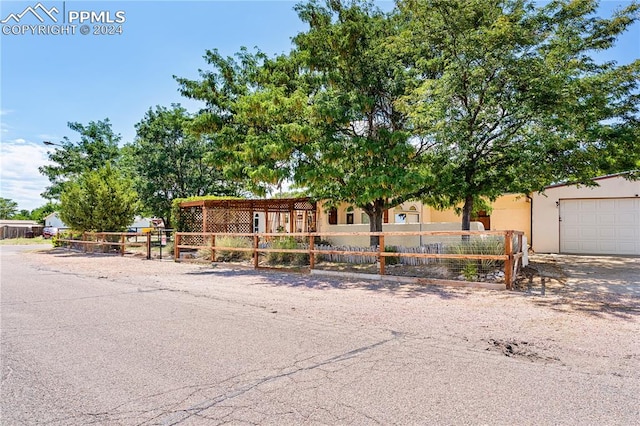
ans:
x=511 y=247
x=111 y=242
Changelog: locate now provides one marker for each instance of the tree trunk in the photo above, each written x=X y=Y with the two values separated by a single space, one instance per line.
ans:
x=376 y=214
x=167 y=221
x=466 y=213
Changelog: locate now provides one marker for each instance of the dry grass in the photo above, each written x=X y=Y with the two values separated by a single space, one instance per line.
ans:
x=23 y=241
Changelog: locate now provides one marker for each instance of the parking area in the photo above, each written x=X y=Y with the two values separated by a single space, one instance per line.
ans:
x=595 y=275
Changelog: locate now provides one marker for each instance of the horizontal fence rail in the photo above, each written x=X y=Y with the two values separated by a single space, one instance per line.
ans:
x=113 y=242
x=507 y=249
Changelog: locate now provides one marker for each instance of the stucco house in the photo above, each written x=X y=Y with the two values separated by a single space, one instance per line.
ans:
x=603 y=219
x=509 y=212
x=564 y=218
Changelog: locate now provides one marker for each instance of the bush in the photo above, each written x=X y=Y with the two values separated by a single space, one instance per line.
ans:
x=391 y=260
x=232 y=242
x=471 y=268
x=287 y=243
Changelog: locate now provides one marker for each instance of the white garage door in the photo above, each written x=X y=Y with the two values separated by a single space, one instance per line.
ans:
x=600 y=226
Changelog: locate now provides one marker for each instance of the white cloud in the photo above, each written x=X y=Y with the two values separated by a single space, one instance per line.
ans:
x=46 y=137
x=20 y=179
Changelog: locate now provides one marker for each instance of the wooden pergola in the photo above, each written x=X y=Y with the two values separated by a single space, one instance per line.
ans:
x=239 y=215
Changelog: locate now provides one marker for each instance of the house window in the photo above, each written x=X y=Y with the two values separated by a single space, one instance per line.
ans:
x=401 y=218
x=333 y=216
x=349 y=218
x=385 y=217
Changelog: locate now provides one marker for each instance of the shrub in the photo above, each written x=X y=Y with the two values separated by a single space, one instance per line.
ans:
x=232 y=242
x=391 y=260
x=287 y=243
x=470 y=268
x=55 y=242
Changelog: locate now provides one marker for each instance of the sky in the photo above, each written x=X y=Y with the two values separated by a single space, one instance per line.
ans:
x=48 y=80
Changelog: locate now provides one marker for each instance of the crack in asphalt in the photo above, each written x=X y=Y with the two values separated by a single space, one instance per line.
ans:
x=196 y=410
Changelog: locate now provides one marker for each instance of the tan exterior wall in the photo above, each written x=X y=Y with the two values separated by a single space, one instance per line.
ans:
x=546 y=214
x=509 y=212
x=410 y=208
x=448 y=215
x=410 y=241
x=512 y=212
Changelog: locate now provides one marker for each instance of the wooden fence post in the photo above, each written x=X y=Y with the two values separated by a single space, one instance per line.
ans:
x=176 y=248
x=381 y=258
x=122 y=240
x=255 y=252
x=213 y=248
x=508 y=263
x=312 y=255
x=148 y=245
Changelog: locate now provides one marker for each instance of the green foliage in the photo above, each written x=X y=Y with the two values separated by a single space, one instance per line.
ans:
x=55 y=241
x=391 y=260
x=23 y=214
x=470 y=271
x=511 y=98
x=233 y=242
x=100 y=200
x=287 y=243
x=97 y=146
x=169 y=161
x=323 y=116
x=453 y=102
x=8 y=208
x=41 y=212
x=482 y=245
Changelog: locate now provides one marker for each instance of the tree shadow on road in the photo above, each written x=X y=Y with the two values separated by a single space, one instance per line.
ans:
x=572 y=287
x=304 y=280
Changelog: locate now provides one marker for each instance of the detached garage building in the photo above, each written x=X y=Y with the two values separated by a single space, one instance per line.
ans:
x=588 y=220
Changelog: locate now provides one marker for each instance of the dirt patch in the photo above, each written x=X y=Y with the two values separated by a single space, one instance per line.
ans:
x=518 y=349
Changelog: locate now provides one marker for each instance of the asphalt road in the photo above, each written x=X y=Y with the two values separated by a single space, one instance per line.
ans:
x=80 y=350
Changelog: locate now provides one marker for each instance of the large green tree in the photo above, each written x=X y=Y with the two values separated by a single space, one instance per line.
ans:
x=324 y=116
x=8 y=208
x=41 y=212
x=101 y=200
x=98 y=144
x=169 y=161
x=454 y=102
x=511 y=97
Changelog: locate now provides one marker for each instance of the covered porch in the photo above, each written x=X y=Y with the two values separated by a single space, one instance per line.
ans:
x=248 y=215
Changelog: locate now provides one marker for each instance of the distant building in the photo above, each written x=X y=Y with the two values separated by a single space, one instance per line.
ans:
x=139 y=222
x=19 y=229
x=53 y=219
